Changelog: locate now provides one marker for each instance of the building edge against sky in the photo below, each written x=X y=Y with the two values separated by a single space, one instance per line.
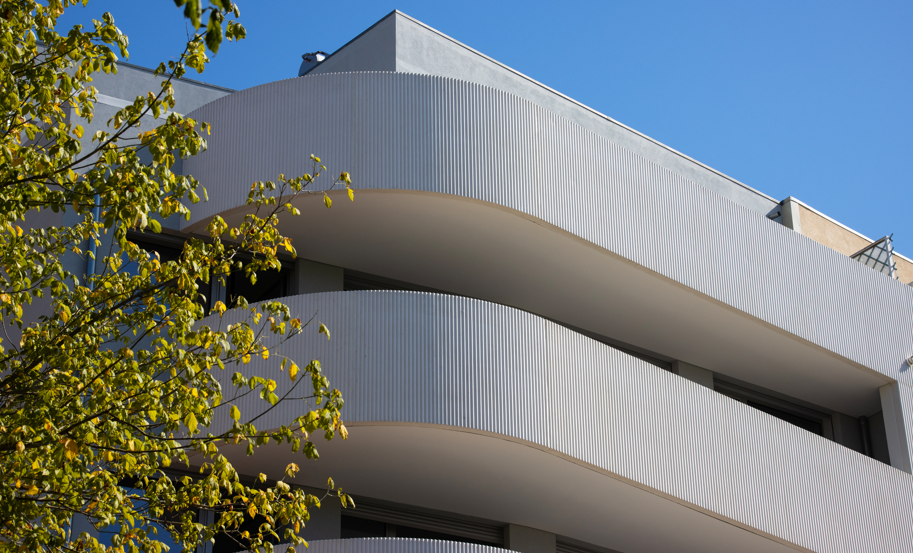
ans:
x=608 y=345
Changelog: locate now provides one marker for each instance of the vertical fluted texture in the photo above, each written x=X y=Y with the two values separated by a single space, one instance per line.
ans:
x=420 y=132
x=396 y=545
x=412 y=357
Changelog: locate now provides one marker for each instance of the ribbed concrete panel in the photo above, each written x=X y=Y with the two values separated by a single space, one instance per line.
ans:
x=395 y=545
x=472 y=364
x=424 y=133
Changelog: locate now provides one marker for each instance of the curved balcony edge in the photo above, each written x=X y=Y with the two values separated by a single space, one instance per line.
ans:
x=436 y=362
x=396 y=545
x=409 y=132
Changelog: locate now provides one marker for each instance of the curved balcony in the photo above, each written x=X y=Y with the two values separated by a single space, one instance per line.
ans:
x=475 y=191
x=397 y=545
x=476 y=408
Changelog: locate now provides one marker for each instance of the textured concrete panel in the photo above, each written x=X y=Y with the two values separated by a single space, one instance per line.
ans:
x=489 y=368
x=421 y=133
x=396 y=545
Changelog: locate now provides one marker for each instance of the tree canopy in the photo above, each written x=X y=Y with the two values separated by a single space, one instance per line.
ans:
x=108 y=378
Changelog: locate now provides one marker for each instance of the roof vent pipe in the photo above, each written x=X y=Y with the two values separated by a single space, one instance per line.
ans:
x=310 y=61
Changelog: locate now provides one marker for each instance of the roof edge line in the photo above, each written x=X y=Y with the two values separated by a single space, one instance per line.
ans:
x=179 y=79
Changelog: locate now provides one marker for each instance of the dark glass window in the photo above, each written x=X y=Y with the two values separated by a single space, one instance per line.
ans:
x=407 y=532
x=804 y=417
x=171 y=252
x=812 y=426
x=227 y=544
x=270 y=285
x=362 y=528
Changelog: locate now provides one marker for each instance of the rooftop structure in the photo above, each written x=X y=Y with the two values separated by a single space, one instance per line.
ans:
x=604 y=345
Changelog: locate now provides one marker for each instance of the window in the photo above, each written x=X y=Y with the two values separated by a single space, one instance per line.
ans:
x=270 y=285
x=376 y=520
x=168 y=250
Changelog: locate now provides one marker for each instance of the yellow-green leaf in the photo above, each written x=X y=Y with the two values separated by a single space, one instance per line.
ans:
x=291 y=470
x=190 y=421
x=71 y=448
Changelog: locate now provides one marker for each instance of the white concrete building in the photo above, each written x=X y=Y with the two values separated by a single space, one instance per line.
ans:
x=555 y=334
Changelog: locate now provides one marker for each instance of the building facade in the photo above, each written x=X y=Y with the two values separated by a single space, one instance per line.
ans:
x=555 y=334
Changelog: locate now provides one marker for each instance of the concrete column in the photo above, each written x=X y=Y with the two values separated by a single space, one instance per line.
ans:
x=846 y=431
x=693 y=373
x=897 y=408
x=219 y=292
x=207 y=517
x=326 y=522
x=528 y=540
x=791 y=217
x=311 y=277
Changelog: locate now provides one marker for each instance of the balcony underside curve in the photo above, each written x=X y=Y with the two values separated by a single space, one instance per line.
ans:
x=396 y=545
x=422 y=133
x=488 y=476
x=485 y=251
x=431 y=377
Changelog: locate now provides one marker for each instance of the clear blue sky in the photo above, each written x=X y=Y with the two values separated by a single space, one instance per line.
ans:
x=811 y=99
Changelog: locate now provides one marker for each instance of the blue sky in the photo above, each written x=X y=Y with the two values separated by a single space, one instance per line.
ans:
x=808 y=99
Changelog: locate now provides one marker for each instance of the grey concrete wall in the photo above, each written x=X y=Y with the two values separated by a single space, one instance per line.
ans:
x=897 y=407
x=311 y=277
x=132 y=81
x=846 y=431
x=792 y=215
x=372 y=50
x=880 y=449
x=326 y=522
x=693 y=373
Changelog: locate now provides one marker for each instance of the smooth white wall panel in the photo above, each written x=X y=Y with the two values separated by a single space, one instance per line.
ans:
x=471 y=364
x=420 y=132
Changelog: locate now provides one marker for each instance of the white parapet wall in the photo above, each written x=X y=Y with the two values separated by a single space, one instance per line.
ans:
x=428 y=365
x=392 y=545
x=425 y=134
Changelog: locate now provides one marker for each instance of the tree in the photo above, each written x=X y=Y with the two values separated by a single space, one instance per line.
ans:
x=119 y=379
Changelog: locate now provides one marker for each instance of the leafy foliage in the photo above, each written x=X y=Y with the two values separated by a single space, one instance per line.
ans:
x=117 y=379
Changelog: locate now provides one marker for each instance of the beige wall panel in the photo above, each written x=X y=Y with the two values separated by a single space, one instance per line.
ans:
x=841 y=239
x=831 y=235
